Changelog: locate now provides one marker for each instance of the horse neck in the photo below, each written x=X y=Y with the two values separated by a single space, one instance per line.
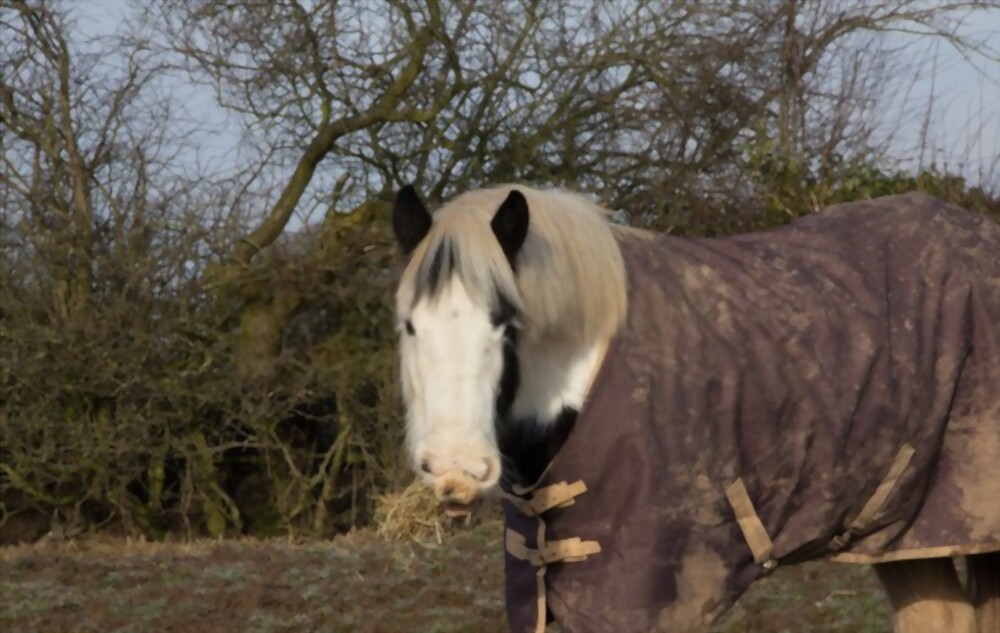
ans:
x=555 y=376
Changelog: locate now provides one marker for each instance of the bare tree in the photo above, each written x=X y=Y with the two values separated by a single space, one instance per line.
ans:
x=102 y=246
x=834 y=56
x=629 y=100
x=50 y=173
x=450 y=94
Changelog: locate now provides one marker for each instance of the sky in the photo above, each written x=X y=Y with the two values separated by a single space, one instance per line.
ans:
x=965 y=120
x=964 y=126
x=216 y=132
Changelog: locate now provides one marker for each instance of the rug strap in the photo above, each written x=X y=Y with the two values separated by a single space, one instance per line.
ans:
x=557 y=495
x=541 y=595
x=753 y=529
x=567 y=550
x=877 y=500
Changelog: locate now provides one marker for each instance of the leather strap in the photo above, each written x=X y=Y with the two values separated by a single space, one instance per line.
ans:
x=557 y=495
x=566 y=550
x=754 y=531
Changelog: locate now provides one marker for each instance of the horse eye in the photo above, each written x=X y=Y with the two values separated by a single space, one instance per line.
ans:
x=409 y=328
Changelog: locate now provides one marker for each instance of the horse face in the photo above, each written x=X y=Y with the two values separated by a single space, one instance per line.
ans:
x=452 y=354
x=452 y=359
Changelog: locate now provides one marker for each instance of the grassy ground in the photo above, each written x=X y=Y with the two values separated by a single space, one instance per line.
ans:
x=359 y=582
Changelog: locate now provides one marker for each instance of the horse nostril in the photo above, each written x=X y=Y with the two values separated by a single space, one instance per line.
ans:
x=448 y=491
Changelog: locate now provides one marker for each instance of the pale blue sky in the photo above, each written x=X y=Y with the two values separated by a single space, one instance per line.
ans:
x=964 y=124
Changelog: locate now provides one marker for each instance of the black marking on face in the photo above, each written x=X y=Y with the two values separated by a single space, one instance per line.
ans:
x=504 y=312
x=409 y=328
x=441 y=266
x=510 y=375
x=526 y=445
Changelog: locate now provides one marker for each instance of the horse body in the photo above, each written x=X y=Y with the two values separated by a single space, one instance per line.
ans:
x=830 y=389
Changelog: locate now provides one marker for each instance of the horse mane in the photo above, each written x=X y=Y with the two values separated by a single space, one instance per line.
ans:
x=570 y=283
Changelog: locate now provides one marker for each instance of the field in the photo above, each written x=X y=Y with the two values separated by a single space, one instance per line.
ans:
x=358 y=582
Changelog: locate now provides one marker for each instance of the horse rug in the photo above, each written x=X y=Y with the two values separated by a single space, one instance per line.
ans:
x=828 y=389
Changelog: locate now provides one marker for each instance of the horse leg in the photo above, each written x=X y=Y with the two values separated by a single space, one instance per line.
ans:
x=926 y=596
x=983 y=585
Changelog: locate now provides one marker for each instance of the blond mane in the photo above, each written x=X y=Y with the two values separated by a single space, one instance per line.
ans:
x=570 y=281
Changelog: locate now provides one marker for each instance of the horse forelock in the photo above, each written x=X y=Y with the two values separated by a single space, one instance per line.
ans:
x=459 y=244
x=570 y=279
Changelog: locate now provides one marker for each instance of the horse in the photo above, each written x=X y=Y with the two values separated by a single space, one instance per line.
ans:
x=667 y=420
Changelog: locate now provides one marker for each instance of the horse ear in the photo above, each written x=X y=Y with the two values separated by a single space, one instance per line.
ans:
x=410 y=219
x=510 y=224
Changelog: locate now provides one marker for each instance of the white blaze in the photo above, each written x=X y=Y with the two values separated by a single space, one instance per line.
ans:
x=451 y=361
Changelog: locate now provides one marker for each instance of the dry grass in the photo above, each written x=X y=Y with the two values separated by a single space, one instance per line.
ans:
x=412 y=514
x=415 y=515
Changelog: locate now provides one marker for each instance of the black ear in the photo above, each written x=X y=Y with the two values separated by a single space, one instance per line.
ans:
x=410 y=219
x=510 y=224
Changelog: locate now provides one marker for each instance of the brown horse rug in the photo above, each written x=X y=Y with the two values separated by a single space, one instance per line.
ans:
x=827 y=389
